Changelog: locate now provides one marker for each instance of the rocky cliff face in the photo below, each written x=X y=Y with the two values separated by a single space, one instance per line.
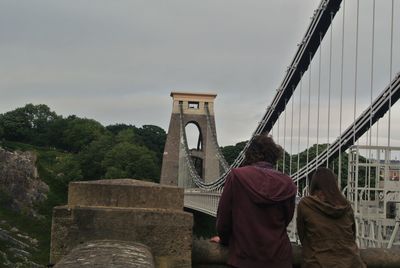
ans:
x=20 y=189
x=19 y=181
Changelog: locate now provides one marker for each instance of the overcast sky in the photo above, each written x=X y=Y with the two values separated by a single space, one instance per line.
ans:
x=118 y=61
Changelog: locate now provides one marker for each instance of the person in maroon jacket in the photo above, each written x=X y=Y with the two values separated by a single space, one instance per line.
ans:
x=256 y=206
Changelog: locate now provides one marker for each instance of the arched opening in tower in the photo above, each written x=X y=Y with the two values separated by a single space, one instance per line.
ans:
x=193 y=136
x=195 y=146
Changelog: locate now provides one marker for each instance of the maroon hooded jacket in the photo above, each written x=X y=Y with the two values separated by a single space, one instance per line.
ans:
x=255 y=207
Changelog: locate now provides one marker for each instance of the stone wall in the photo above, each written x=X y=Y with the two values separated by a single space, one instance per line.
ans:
x=125 y=210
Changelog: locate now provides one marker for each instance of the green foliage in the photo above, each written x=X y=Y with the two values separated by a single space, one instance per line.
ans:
x=27 y=124
x=16 y=125
x=126 y=135
x=56 y=131
x=67 y=169
x=153 y=137
x=92 y=156
x=116 y=128
x=1 y=131
x=128 y=160
x=231 y=152
x=99 y=152
x=109 y=156
x=80 y=132
x=116 y=172
x=36 y=228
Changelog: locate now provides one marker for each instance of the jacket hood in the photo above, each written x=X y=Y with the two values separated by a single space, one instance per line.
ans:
x=264 y=184
x=333 y=211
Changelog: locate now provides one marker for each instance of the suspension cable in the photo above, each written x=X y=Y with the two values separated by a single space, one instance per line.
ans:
x=278 y=138
x=377 y=132
x=356 y=81
x=371 y=94
x=356 y=70
x=329 y=89
x=308 y=117
x=291 y=135
x=390 y=72
x=284 y=140
x=319 y=93
x=218 y=154
x=299 y=132
x=341 y=97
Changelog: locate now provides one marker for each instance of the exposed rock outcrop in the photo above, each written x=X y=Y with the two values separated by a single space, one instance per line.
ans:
x=16 y=247
x=19 y=181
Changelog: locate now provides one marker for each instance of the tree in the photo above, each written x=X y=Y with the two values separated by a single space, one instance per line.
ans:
x=131 y=161
x=67 y=169
x=28 y=124
x=1 y=132
x=116 y=172
x=231 y=152
x=92 y=156
x=55 y=133
x=116 y=128
x=81 y=132
x=126 y=135
x=153 y=137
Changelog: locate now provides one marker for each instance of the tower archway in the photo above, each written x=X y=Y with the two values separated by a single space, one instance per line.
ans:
x=194 y=136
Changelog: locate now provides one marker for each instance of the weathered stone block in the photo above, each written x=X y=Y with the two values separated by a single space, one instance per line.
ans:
x=166 y=232
x=121 y=217
x=124 y=193
x=105 y=254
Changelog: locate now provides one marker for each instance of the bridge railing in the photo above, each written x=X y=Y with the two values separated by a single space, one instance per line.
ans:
x=207 y=202
x=203 y=201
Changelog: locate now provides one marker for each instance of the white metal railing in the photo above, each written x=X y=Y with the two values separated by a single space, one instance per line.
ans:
x=203 y=201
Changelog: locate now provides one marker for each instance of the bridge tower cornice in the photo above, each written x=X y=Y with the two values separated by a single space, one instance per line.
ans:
x=193 y=103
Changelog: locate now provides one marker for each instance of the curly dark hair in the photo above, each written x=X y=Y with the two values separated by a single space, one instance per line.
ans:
x=263 y=148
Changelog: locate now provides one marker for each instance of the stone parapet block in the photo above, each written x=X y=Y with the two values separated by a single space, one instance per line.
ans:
x=212 y=255
x=168 y=233
x=124 y=193
x=106 y=253
x=381 y=257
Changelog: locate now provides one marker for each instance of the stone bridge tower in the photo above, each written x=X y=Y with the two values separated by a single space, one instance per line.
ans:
x=198 y=109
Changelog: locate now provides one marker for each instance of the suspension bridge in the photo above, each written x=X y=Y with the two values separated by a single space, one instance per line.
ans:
x=336 y=107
